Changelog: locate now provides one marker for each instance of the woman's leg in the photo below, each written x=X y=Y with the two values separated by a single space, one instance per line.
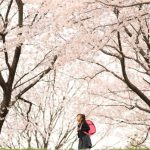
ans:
x=85 y=143
x=80 y=145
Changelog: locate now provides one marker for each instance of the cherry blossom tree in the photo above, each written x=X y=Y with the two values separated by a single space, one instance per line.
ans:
x=104 y=46
x=44 y=123
x=122 y=56
x=32 y=37
x=34 y=40
x=47 y=119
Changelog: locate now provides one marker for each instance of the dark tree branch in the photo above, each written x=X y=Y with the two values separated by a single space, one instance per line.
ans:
x=18 y=48
x=143 y=109
x=2 y=18
x=128 y=32
x=5 y=52
x=29 y=110
x=2 y=82
x=120 y=22
x=106 y=69
x=36 y=81
x=127 y=81
x=16 y=84
x=123 y=6
x=144 y=139
x=1 y=2
x=20 y=14
x=30 y=105
x=14 y=66
x=7 y=87
x=7 y=13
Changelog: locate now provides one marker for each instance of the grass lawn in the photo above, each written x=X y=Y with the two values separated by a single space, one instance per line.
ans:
x=72 y=149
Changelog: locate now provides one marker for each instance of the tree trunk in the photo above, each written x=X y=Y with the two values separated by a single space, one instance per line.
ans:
x=4 y=107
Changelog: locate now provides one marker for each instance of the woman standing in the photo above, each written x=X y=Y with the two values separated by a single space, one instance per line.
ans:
x=84 y=139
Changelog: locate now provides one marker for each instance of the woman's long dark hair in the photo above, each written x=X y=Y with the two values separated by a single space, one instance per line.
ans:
x=82 y=117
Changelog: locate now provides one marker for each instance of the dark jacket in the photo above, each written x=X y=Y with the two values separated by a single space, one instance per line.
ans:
x=82 y=127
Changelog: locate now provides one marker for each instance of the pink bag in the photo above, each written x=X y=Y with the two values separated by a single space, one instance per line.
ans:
x=92 y=128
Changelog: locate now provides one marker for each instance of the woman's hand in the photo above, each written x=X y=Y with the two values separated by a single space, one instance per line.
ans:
x=78 y=130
